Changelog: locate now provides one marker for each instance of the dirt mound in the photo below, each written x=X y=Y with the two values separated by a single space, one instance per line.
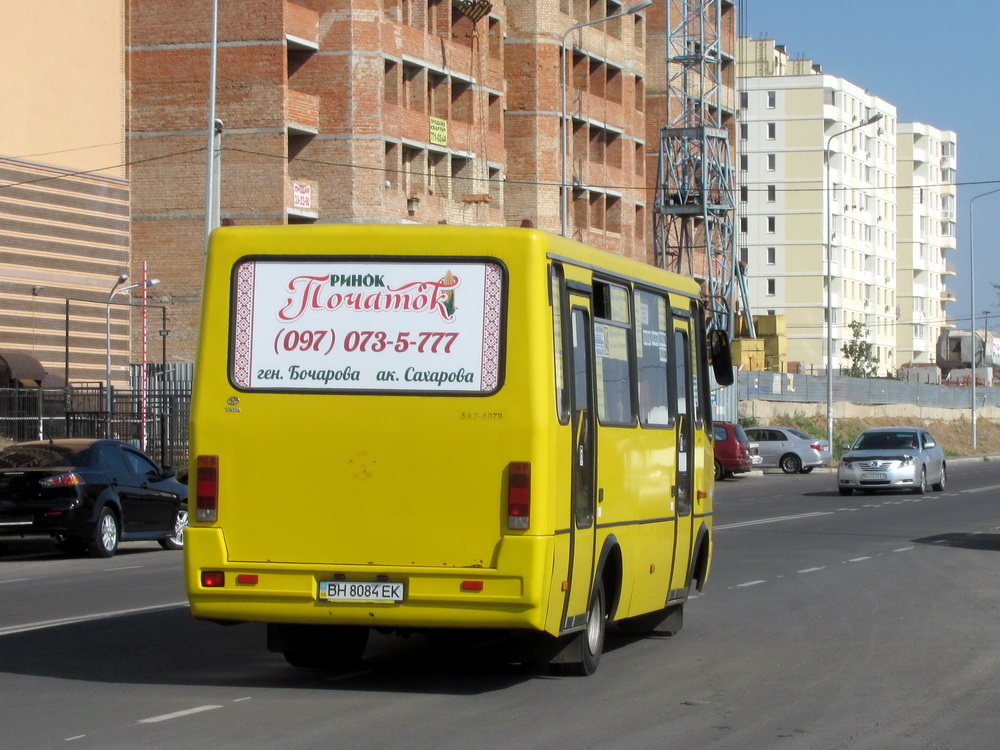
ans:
x=955 y=435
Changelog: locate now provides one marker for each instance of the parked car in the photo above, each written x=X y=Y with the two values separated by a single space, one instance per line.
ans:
x=789 y=449
x=733 y=454
x=90 y=495
x=892 y=458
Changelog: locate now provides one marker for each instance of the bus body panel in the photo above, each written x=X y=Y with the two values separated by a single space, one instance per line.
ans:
x=412 y=487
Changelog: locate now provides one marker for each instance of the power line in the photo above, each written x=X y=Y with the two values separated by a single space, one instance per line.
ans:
x=78 y=173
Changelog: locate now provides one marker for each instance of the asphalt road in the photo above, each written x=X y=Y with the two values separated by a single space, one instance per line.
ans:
x=828 y=622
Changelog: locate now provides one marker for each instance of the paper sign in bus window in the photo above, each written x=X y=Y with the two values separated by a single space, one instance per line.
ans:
x=367 y=326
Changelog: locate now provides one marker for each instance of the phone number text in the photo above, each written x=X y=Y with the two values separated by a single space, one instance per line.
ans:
x=326 y=341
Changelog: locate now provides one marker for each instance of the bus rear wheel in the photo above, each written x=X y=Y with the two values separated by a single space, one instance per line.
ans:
x=328 y=647
x=590 y=643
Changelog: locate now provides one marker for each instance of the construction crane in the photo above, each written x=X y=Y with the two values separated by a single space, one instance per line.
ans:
x=693 y=223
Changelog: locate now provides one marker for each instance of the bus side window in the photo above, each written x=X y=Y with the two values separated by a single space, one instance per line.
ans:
x=680 y=362
x=559 y=334
x=697 y=349
x=614 y=360
x=651 y=358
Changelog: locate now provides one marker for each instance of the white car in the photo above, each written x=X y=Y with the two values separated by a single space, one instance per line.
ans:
x=789 y=449
x=893 y=458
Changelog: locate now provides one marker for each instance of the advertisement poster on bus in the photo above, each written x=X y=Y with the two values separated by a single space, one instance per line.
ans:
x=367 y=325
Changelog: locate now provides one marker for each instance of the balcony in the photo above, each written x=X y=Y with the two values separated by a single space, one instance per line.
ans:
x=301 y=113
x=301 y=27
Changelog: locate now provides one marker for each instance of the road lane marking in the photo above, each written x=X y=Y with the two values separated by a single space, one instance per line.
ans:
x=177 y=714
x=812 y=570
x=749 y=583
x=859 y=559
x=994 y=488
x=772 y=520
x=903 y=549
x=16 y=580
x=27 y=628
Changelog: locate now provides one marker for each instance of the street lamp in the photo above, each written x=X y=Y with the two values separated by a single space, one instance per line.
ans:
x=115 y=290
x=563 y=196
x=829 y=273
x=972 y=301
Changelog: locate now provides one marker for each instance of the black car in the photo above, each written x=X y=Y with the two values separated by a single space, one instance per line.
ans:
x=89 y=495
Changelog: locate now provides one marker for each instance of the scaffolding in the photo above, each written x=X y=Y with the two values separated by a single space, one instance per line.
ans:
x=693 y=224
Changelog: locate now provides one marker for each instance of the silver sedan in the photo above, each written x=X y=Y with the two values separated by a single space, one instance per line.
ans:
x=788 y=449
x=893 y=458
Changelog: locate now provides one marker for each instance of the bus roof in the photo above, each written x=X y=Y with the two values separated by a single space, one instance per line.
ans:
x=395 y=240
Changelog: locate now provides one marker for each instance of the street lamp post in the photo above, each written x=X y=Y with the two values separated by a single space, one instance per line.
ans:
x=972 y=301
x=116 y=290
x=214 y=129
x=829 y=273
x=563 y=189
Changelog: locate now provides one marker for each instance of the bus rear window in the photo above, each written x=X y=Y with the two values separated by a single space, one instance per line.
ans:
x=372 y=325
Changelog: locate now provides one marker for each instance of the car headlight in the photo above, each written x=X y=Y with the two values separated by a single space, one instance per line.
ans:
x=846 y=462
x=907 y=461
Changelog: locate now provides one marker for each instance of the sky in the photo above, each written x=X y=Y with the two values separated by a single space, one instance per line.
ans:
x=937 y=63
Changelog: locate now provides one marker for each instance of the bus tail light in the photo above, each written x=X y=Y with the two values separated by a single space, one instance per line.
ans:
x=207 y=488
x=519 y=495
x=213 y=579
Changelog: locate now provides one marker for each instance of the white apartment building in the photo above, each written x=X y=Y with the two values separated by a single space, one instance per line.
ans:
x=793 y=202
x=926 y=199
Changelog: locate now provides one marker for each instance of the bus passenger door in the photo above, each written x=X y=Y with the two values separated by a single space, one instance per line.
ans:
x=684 y=483
x=583 y=423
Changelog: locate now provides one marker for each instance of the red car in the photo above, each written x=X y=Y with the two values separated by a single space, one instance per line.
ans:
x=733 y=454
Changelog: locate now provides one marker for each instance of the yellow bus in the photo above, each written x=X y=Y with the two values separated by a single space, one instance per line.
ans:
x=423 y=428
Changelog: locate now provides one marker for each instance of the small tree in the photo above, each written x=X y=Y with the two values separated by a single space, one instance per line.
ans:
x=860 y=352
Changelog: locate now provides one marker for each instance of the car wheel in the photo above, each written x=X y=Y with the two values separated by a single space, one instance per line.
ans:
x=921 y=486
x=176 y=540
x=806 y=469
x=939 y=485
x=790 y=463
x=590 y=643
x=845 y=490
x=718 y=471
x=106 y=535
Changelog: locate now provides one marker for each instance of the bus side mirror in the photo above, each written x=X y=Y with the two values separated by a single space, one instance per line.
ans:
x=722 y=357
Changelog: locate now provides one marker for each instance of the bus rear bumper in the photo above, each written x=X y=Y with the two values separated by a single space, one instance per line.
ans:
x=507 y=596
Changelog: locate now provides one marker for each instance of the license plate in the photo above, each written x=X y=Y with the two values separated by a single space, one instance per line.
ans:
x=361 y=591
x=874 y=477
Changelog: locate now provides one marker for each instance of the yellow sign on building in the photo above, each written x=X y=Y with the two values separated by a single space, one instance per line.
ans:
x=439 y=131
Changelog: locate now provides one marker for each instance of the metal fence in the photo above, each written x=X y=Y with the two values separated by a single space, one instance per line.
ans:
x=154 y=419
x=773 y=386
